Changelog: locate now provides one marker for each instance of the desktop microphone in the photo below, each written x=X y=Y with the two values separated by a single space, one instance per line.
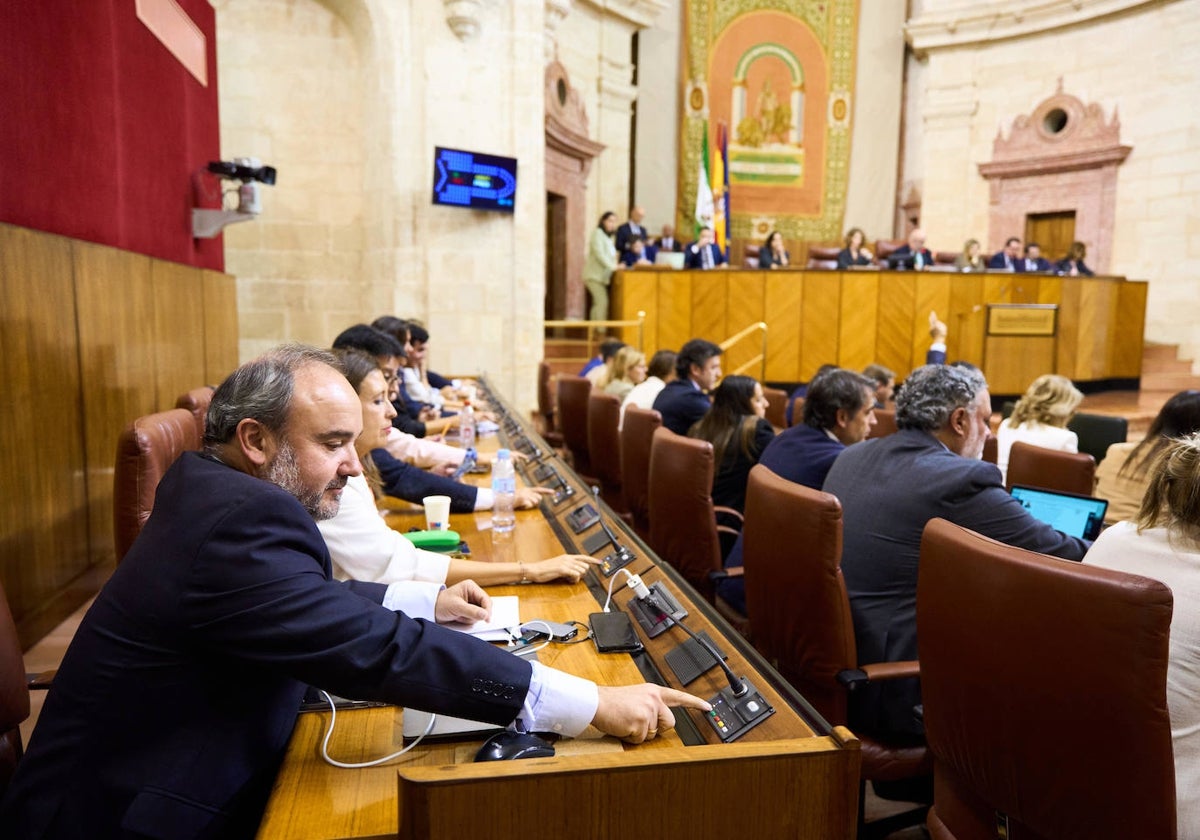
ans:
x=739 y=686
x=621 y=556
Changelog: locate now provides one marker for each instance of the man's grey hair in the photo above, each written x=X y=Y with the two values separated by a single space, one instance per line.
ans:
x=261 y=390
x=932 y=393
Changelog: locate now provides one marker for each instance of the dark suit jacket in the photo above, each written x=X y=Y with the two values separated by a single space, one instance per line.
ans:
x=681 y=404
x=406 y=422
x=905 y=251
x=766 y=258
x=668 y=245
x=1040 y=264
x=693 y=259
x=626 y=234
x=178 y=695
x=730 y=476
x=404 y=481
x=889 y=488
x=846 y=259
x=1001 y=260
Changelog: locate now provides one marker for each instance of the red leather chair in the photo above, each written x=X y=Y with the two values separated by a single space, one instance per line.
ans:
x=546 y=414
x=604 y=413
x=823 y=256
x=683 y=525
x=145 y=451
x=991 y=449
x=945 y=257
x=637 y=437
x=750 y=256
x=776 y=406
x=797 y=411
x=573 y=393
x=885 y=247
x=1044 y=692
x=800 y=614
x=197 y=401
x=885 y=423
x=1035 y=466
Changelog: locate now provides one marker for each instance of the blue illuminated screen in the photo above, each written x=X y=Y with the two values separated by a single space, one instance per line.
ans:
x=471 y=179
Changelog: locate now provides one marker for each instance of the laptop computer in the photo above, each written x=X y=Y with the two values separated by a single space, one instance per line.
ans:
x=1074 y=515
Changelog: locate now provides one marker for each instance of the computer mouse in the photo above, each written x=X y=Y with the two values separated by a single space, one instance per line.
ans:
x=508 y=744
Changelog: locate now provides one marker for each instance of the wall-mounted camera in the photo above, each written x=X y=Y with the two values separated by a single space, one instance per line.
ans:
x=207 y=223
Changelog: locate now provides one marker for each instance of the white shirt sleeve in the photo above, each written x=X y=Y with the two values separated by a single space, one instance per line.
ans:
x=558 y=702
x=414 y=598
x=421 y=452
x=484 y=498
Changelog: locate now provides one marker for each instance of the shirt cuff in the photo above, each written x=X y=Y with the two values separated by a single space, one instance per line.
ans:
x=484 y=499
x=431 y=567
x=414 y=598
x=558 y=702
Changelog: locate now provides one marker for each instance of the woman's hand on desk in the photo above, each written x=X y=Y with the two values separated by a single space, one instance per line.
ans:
x=563 y=567
x=463 y=603
x=636 y=713
x=530 y=497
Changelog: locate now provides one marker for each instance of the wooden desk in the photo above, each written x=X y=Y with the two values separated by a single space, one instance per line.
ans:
x=790 y=776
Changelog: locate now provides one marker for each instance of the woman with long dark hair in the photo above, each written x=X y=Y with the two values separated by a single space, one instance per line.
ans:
x=737 y=428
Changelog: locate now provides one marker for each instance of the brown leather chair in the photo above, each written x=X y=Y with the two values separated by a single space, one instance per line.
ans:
x=800 y=613
x=683 y=525
x=604 y=413
x=797 y=411
x=145 y=451
x=945 y=257
x=991 y=449
x=573 y=393
x=197 y=401
x=1044 y=692
x=822 y=256
x=637 y=437
x=776 y=406
x=546 y=414
x=885 y=247
x=750 y=256
x=885 y=423
x=1035 y=466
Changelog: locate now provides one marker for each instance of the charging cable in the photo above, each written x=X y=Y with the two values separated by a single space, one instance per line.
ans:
x=376 y=762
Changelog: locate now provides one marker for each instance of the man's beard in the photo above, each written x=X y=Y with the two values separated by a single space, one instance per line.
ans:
x=284 y=472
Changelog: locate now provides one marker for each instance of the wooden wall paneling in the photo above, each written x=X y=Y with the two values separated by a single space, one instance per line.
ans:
x=783 y=301
x=1049 y=290
x=674 y=309
x=179 y=316
x=220 y=327
x=118 y=356
x=819 y=333
x=745 y=294
x=1128 y=328
x=44 y=532
x=1065 y=361
x=1026 y=288
x=932 y=294
x=897 y=302
x=1098 y=301
x=1012 y=362
x=710 y=305
x=859 y=319
x=968 y=320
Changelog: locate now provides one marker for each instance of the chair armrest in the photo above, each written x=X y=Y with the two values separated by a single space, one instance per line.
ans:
x=721 y=510
x=40 y=682
x=725 y=529
x=852 y=678
x=725 y=574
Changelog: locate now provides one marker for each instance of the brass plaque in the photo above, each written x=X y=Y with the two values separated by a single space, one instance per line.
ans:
x=1021 y=318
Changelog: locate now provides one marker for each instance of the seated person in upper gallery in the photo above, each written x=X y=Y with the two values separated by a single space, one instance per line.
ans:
x=684 y=400
x=667 y=241
x=1124 y=474
x=704 y=253
x=971 y=258
x=178 y=694
x=658 y=374
x=772 y=254
x=363 y=547
x=889 y=488
x=883 y=386
x=802 y=390
x=1164 y=544
x=1072 y=264
x=1033 y=260
x=628 y=371
x=608 y=349
x=738 y=430
x=856 y=251
x=1040 y=418
x=839 y=411
x=1009 y=258
x=635 y=255
x=913 y=253
x=631 y=231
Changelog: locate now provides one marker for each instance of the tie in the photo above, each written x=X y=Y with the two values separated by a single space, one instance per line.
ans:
x=706 y=257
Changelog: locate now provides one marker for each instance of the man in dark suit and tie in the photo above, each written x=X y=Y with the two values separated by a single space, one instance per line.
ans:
x=178 y=694
x=1009 y=258
x=703 y=253
x=631 y=230
x=684 y=400
x=913 y=253
x=667 y=241
x=1033 y=260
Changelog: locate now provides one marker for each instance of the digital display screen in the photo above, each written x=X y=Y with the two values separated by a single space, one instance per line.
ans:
x=471 y=179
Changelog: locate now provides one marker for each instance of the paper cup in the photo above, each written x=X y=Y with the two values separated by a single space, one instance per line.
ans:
x=437 y=513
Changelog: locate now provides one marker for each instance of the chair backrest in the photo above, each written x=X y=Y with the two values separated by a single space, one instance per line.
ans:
x=885 y=247
x=991 y=449
x=885 y=423
x=604 y=443
x=146 y=449
x=573 y=392
x=14 y=695
x=637 y=437
x=776 y=406
x=1097 y=432
x=795 y=595
x=1044 y=687
x=1036 y=466
x=683 y=529
x=545 y=396
x=197 y=401
x=797 y=411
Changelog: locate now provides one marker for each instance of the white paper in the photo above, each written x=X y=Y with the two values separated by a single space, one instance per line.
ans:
x=506 y=615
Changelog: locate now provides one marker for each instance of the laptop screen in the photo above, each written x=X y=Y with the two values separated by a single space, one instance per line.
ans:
x=1075 y=516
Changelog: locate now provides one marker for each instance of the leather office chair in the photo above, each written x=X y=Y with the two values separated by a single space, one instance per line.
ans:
x=750 y=256
x=800 y=614
x=683 y=524
x=1044 y=692
x=885 y=423
x=1097 y=432
x=944 y=257
x=885 y=247
x=604 y=413
x=197 y=401
x=546 y=414
x=776 y=406
x=822 y=256
x=1035 y=466
x=991 y=449
x=573 y=392
x=637 y=437
x=145 y=451
x=14 y=695
x=797 y=411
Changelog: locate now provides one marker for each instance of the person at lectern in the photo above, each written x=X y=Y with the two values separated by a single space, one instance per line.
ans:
x=703 y=253
x=600 y=264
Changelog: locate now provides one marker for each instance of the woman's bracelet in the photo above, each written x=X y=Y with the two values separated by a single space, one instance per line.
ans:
x=524 y=577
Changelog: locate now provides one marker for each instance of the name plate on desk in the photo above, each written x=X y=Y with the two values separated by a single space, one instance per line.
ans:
x=1022 y=318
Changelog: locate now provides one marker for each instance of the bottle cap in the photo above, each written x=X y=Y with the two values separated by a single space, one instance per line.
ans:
x=503 y=453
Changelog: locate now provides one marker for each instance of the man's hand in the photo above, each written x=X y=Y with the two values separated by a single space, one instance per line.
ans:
x=443 y=468
x=636 y=713
x=529 y=497
x=463 y=603
x=563 y=567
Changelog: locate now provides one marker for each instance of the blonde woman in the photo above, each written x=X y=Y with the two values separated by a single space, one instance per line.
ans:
x=628 y=370
x=1041 y=418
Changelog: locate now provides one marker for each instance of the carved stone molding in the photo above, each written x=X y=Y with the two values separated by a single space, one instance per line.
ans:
x=998 y=20
x=640 y=13
x=556 y=13
x=462 y=16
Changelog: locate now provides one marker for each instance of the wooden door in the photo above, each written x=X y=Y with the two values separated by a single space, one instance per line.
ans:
x=556 y=257
x=1054 y=232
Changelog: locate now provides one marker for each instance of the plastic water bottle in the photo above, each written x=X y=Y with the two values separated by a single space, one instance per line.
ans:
x=504 y=491
x=466 y=426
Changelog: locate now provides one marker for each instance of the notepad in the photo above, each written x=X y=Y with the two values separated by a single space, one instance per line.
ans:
x=506 y=615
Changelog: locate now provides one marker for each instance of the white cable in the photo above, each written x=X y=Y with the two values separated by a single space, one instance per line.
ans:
x=376 y=762
x=612 y=581
x=525 y=651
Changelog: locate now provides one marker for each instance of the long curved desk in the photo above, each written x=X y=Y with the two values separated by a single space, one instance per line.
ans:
x=791 y=776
